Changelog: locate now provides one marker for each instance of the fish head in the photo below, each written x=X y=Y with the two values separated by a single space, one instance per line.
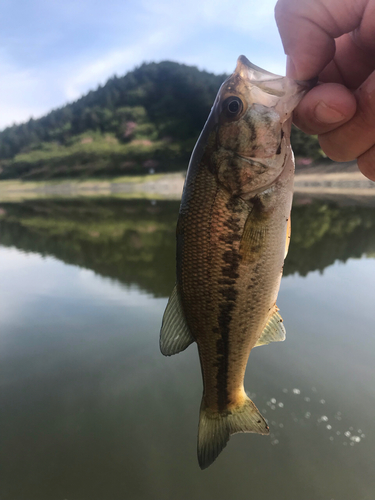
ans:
x=252 y=113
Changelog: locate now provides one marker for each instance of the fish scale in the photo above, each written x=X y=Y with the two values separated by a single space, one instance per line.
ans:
x=232 y=237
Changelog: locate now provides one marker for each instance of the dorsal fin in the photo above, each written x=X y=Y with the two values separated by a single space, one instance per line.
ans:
x=175 y=335
x=274 y=330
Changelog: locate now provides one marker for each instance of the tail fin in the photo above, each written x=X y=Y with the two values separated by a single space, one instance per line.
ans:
x=215 y=429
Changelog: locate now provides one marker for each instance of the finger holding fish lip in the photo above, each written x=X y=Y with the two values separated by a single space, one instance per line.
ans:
x=355 y=137
x=343 y=120
x=325 y=108
x=334 y=39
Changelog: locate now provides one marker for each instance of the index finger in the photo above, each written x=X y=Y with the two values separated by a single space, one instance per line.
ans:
x=308 y=29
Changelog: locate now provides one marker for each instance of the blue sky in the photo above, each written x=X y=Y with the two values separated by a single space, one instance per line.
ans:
x=53 y=51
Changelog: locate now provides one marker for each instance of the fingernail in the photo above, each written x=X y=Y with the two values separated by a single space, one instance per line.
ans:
x=290 y=68
x=325 y=114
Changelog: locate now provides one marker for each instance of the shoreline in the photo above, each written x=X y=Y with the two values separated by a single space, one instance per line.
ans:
x=334 y=183
x=169 y=186
x=156 y=186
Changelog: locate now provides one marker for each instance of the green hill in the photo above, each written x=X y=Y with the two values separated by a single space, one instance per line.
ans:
x=148 y=119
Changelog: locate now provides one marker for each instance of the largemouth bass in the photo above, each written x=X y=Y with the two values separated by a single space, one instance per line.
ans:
x=233 y=233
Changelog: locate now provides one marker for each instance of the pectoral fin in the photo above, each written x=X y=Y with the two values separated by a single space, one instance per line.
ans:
x=254 y=237
x=274 y=330
x=175 y=335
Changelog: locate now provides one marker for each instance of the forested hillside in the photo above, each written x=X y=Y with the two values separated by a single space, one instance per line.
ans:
x=147 y=120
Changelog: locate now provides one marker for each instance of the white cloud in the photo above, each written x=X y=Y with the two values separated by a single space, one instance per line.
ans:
x=249 y=16
x=171 y=31
x=116 y=61
x=99 y=41
x=17 y=87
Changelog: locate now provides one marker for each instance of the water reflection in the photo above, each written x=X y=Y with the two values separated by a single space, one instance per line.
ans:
x=133 y=240
x=325 y=232
x=91 y=410
x=284 y=412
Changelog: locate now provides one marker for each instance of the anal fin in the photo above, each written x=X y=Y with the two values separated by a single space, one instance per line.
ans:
x=274 y=330
x=175 y=335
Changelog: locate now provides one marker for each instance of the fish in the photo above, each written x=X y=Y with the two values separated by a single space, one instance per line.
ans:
x=233 y=233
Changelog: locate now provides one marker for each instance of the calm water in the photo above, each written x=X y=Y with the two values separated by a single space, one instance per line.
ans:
x=90 y=409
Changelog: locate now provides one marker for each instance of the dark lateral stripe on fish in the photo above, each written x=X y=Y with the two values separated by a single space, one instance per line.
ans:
x=226 y=281
x=229 y=271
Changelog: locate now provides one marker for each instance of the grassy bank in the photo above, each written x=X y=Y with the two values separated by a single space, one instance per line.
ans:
x=320 y=179
x=92 y=155
x=157 y=186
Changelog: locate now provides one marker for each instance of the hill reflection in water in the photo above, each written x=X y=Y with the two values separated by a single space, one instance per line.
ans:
x=90 y=409
x=133 y=241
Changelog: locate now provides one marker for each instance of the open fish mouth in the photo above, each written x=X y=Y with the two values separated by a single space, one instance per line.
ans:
x=270 y=83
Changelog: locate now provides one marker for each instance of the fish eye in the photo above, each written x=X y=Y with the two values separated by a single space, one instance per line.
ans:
x=232 y=106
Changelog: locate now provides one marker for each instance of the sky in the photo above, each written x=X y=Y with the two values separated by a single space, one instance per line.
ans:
x=54 y=51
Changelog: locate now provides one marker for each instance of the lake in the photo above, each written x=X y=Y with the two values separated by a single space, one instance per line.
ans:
x=90 y=409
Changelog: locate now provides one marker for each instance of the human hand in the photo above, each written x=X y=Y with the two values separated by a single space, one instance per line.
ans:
x=334 y=40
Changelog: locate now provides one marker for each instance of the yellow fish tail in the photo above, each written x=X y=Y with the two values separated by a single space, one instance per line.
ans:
x=216 y=428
